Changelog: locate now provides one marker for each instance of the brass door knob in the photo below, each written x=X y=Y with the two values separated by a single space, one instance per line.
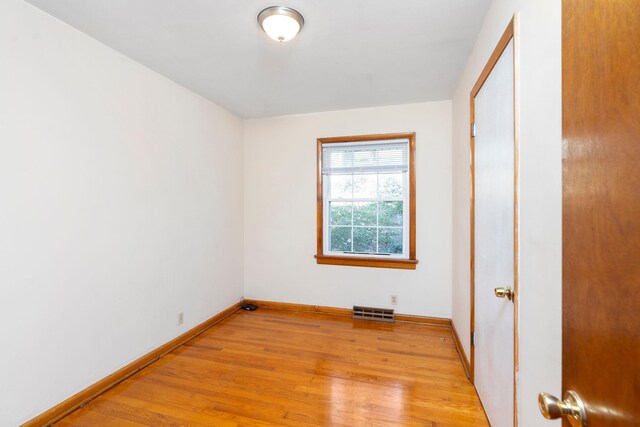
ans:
x=504 y=293
x=571 y=408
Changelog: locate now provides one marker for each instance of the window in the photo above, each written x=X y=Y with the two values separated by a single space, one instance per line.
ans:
x=366 y=201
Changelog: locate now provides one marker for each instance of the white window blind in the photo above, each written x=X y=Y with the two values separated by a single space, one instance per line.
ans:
x=365 y=157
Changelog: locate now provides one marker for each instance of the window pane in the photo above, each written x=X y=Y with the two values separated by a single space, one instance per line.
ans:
x=364 y=213
x=390 y=213
x=340 y=213
x=390 y=240
x=390 y=185
x=341 y=186
x=340 y=239
x=364 y=186
x=364 y=239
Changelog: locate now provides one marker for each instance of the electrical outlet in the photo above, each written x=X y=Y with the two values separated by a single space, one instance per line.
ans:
x=394 y=299
x=180 y=318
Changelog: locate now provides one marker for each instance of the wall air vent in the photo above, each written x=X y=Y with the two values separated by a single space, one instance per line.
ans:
x=371 y=313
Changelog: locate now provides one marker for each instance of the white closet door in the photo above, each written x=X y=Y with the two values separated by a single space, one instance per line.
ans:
x=494 y=240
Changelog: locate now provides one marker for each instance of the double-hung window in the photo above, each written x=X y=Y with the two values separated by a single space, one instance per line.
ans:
x=366 y=201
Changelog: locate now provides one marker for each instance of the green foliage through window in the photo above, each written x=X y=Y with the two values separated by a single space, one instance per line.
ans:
x=372 y=226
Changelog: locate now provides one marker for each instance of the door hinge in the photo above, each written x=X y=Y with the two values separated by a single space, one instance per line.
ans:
x=473 y=129
x=473 y=338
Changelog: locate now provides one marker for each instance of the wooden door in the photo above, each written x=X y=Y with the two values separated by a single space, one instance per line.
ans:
x=494 y=238
x=601 y=208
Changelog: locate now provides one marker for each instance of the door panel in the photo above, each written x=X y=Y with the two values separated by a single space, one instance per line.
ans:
x=601 y=208
x=494 y=240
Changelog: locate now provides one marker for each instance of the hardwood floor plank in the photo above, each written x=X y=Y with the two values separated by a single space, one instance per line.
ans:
x=96 y=418
x=283 y=368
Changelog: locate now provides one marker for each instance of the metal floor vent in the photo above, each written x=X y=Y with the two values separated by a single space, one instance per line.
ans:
x=372 y=313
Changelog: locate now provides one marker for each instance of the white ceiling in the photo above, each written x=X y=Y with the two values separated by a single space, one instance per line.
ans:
x=350 y=53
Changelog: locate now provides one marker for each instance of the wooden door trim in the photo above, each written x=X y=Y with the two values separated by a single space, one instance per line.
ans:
x=510 y=33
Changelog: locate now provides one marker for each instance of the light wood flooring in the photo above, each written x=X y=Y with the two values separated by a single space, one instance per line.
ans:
x=282 y=368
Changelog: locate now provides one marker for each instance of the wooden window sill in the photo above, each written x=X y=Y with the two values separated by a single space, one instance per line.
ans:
x=406 y=264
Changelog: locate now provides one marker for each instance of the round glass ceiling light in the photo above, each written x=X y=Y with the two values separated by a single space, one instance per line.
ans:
x=280 y=23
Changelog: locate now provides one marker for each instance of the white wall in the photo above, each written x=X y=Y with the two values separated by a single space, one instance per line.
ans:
x=121 y=205
x=540 y=193
x=280 y=211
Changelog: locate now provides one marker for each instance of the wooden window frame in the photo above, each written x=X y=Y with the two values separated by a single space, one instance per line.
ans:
x=372 y=261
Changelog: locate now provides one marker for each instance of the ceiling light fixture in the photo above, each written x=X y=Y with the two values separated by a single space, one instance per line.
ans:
x=280 y=23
